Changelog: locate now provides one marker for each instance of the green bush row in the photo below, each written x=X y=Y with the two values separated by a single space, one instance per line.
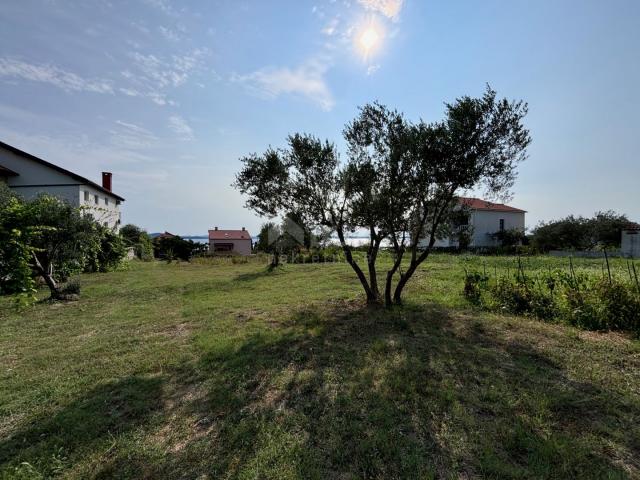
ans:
x=586 y=301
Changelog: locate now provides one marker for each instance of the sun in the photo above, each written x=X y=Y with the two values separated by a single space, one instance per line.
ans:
x=369 y=38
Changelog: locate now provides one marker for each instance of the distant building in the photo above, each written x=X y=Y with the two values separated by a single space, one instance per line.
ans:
x=29 y=176
x=230 y=241
x=630 y=242
x=160 y=236
x=483 y=221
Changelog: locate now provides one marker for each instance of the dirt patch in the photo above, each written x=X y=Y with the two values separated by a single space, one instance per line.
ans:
x=184 y=405
x=179 y=330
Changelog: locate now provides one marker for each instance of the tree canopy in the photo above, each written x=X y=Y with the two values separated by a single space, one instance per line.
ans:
x=399 y=181
x=50 y=238
x=579 y=233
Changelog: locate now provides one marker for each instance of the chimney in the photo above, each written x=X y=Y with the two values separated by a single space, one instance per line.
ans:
x=215 y=228
x=106 y=180
x=243 y=229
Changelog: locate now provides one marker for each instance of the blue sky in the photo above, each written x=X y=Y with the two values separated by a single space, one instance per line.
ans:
x=168 y=95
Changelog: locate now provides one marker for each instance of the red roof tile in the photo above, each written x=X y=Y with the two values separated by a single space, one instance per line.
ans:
x=632 y=226
x=229 y=235
x=479 y=204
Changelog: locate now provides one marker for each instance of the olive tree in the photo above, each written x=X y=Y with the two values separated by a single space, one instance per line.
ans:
x=400 y=180
x=48 y=237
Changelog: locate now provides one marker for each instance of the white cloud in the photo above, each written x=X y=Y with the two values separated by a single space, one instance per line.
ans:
x=389 y=8
x=169 y=34
x=331 y=27
x=52 y=75
x=164 y=73
x=151 y=76
x=162 y=5
x=180 y=126
x=306 y=81
x=129 y=135
x=371 y=69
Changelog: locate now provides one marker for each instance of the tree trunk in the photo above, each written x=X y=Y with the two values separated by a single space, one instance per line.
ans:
x=416 y=259
x=415 y=263
x=372 y=297
x=47 y=275
x=390 y=274
x=275 y=260
x=372 y=256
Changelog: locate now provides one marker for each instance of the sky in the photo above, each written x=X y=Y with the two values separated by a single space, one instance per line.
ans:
x=169 y=95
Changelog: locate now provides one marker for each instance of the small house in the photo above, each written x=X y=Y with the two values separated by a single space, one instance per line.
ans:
x=630 y=242
x=230 y=241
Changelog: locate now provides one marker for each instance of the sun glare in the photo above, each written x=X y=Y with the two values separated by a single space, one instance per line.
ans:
x=368 y=39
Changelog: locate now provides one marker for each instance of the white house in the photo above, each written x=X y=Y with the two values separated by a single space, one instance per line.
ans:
x=29 y=176
x=483 y=221
x=630 y=245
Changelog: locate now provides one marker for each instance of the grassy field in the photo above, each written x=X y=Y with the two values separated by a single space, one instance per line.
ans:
x=227 y=371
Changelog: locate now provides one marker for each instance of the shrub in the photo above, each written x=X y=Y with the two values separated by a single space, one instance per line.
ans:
x=603 y=305
x=108 y=252
x=578 y=299
x=72 y=287
x=474 y=284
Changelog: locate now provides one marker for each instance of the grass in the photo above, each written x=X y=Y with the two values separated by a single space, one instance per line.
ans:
x=221 y=370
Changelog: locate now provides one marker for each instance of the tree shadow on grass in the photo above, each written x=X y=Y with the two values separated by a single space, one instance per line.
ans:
x=263 y=272
x=344 y=393
x=50 y=444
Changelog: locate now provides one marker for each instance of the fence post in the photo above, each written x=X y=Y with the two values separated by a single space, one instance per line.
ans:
x=606 y=259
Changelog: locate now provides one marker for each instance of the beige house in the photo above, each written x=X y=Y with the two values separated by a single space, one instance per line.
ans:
x=230 y=241
x=29 y=176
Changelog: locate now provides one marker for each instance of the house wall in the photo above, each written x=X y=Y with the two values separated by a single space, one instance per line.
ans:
x=105 y=211
x=35 y=179
x=31 y=172
x=68 y=193
x=486 y=222
x=243 y=247
x=630 y=244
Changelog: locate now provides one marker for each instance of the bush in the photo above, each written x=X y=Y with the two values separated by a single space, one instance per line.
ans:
x=72 y=287
x=474 y=284
x=603 y=305
x=139 y=239
x=583 y=301
x=108 y=253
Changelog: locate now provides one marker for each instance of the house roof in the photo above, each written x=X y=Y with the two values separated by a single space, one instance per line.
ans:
x=229 y=235
x=7 y=172
x=479 y=204
x=75 y=176
x=165 y=234
x=632 y=226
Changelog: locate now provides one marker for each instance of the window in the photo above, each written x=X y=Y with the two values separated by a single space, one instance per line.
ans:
x=86 y=196
x=502 y=224
x=106 y=200
x=95 y=199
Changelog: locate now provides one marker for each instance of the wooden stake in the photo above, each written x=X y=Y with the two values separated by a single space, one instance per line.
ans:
x=635 y=274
